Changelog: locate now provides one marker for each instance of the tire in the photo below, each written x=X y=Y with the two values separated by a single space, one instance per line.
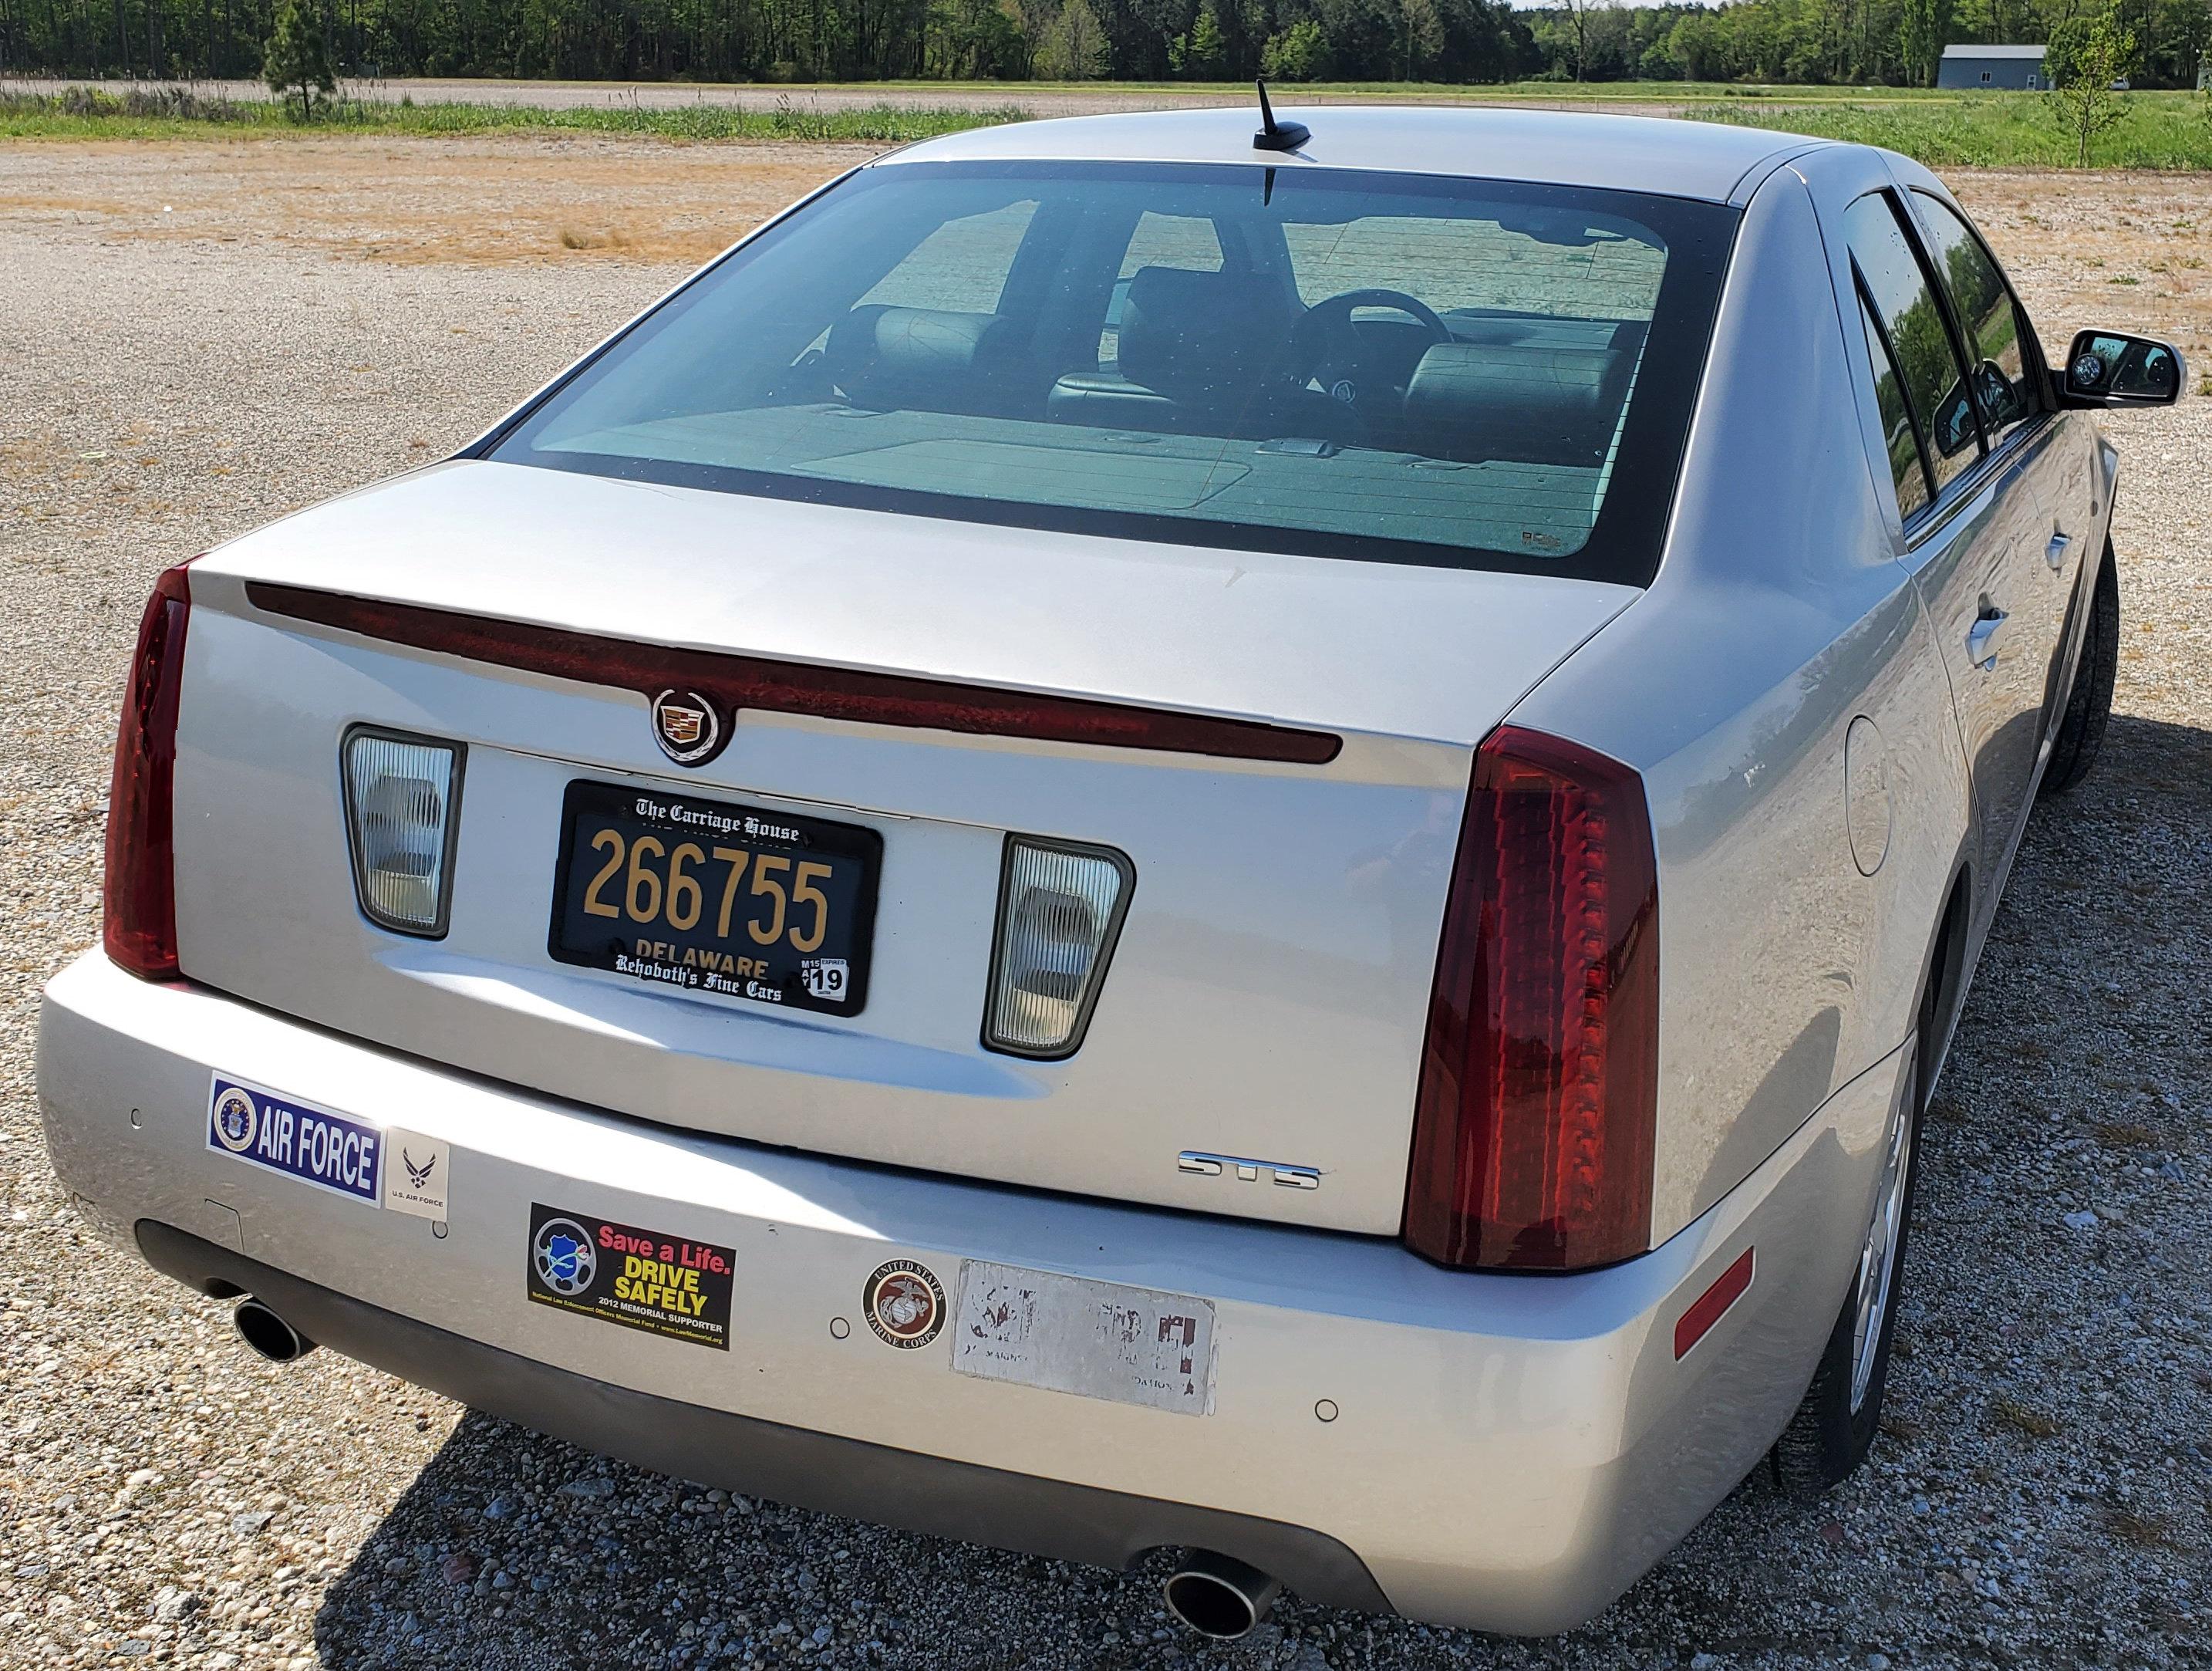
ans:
x=1832 y=1432
x=2081 y=731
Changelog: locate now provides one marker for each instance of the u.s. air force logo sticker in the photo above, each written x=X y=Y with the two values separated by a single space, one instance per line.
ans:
x=236 y=1120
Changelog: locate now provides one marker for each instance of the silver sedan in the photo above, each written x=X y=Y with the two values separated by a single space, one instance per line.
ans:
x=1141 y=835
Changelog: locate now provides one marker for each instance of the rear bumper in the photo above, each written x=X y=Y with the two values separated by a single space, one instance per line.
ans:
x=1510 y=1453
x=743 y=1452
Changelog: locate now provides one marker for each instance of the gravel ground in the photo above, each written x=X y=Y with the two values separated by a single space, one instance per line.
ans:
x=2043 y=1492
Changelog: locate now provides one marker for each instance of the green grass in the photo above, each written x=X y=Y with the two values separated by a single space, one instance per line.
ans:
x=1995 y=129
x=83 y=113
x=1943 y=130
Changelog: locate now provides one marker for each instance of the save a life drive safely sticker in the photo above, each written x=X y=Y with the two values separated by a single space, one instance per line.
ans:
x=636 y=1278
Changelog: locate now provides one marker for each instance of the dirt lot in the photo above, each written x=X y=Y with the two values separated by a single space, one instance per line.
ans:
x=198 y=338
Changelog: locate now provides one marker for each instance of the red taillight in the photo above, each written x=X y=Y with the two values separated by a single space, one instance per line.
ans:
x=1532 y=1135
x=141 y=899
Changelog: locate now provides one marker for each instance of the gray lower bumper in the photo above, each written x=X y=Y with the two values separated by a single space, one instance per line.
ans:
x=819 y=1471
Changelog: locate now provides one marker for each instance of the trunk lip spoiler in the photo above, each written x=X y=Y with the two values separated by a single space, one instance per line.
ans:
x=736 y=680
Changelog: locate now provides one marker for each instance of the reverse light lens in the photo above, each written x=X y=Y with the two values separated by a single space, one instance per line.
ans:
x=138 y=916
x=1059 y=911
x=400 y=792
x=1533 y=1135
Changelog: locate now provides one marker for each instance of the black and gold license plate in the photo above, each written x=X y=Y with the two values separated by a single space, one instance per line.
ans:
x=706 y=896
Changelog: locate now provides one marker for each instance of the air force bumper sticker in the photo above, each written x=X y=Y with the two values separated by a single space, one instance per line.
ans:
x=285 y=1135
x=382 y=1166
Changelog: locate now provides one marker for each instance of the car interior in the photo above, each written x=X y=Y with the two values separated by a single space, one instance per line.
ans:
x=1465 y=371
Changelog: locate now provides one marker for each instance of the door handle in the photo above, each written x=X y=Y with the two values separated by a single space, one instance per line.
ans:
x=1982 y=636
x=2055 y=552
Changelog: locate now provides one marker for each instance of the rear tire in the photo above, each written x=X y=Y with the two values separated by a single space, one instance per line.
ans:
x=2082 y=730
x=1834 y=1429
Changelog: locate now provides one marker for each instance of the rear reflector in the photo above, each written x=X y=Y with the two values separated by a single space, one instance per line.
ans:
x=1532 y=1133
x=795 y=687
x=400 y=818
x=139 y=901
x=1059 y=911
x=1706 y=1310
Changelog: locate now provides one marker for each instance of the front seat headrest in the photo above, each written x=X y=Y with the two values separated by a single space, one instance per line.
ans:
x=1204 y=336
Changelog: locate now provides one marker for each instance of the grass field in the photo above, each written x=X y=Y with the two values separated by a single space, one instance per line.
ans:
x=2165 y=131
x=92 y=114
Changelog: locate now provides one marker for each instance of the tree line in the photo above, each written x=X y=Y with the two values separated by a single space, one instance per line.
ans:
x=1892 y=42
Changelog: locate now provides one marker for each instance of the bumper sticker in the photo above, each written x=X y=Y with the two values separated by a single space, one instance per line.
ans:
x=904 y=1303
x=316 y=1146
x=1098 y=1340
x=416 y=1180
x=639 y=1279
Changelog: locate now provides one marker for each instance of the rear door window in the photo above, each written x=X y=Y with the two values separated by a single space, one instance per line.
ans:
x=1990 y=317
x=1934 y=383
x=1908 y=465
x=1188 y=243
x=961 y=266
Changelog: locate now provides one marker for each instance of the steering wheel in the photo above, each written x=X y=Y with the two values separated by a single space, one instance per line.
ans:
x=1327 y=349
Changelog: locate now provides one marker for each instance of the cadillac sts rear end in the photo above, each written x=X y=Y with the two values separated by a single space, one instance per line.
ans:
x=965 y=881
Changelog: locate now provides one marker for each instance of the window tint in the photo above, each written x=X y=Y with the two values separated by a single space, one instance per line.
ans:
x=1898 y=439
x=961 y=264
x=1996 y=328
x=1934 y=383
x=1574 y=271
x=1172 y=241
x=927 y=338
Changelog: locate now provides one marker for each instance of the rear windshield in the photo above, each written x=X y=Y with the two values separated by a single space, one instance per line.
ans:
x=1296 y=359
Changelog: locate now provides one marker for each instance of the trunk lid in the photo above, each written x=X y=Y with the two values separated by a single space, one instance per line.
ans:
x=1267 y=995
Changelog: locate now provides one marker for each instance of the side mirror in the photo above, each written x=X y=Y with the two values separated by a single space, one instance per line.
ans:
x=2106 y=369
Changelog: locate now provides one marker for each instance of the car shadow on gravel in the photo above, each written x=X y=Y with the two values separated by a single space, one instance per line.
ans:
x=2038 y=1497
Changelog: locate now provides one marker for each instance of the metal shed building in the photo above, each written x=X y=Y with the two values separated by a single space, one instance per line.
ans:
x=2017 y=67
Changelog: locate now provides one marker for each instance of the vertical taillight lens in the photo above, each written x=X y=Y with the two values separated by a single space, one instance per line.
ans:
x=399 y=794
x=139 y=901
x=1060 y=911
x=1533 y=1135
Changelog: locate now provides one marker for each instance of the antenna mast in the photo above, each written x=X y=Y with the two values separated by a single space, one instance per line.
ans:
x=1275 y=136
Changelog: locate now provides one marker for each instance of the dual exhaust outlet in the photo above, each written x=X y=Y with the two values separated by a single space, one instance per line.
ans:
x=1217 y=1595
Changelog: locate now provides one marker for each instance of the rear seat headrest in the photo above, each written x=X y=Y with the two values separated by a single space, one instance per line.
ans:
x=917 y=357
x=1515 y=402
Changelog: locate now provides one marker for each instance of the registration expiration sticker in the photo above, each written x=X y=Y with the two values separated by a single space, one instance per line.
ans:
x=640 y=1279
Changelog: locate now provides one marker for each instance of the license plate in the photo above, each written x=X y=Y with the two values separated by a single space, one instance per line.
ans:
x=709 y=896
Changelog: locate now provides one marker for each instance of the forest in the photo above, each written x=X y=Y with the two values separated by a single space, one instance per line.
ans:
x=1806 y=42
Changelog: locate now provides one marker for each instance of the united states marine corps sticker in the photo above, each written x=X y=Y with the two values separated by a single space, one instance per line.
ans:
x=905 y=1305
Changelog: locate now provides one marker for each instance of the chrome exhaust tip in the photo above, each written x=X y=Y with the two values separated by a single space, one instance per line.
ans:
x=1219 y=1596
x=270 y=1335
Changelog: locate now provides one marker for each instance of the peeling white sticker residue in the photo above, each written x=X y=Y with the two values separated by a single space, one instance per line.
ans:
x=1098 y=1340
